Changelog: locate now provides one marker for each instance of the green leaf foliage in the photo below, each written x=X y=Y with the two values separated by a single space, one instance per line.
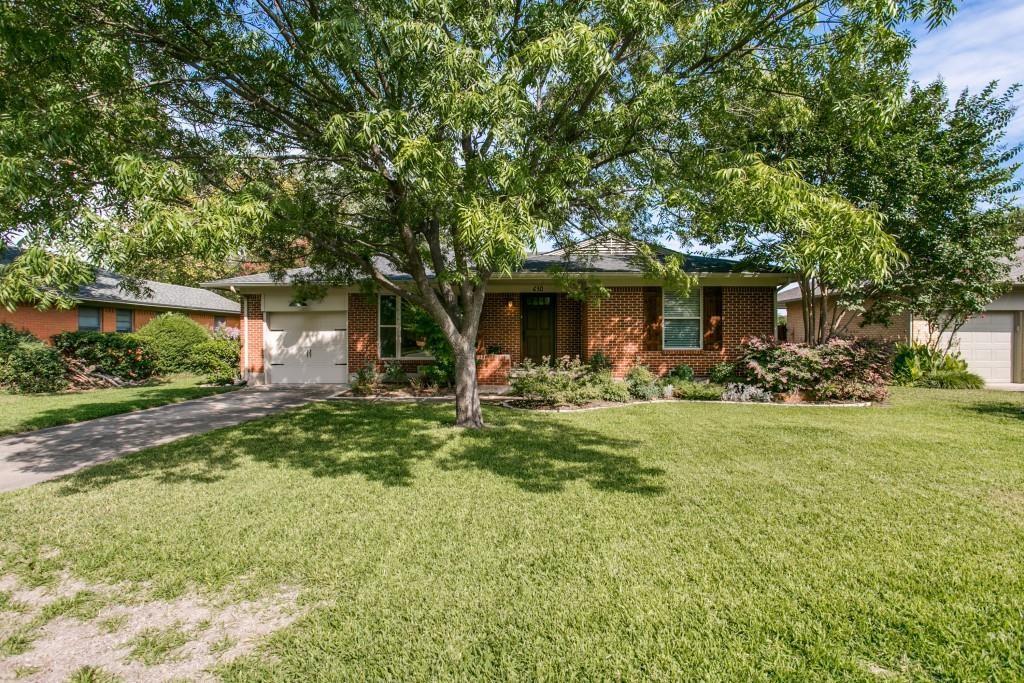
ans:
x=33 y=368
x=174 y=338
x=125 y=356
x=442 y=138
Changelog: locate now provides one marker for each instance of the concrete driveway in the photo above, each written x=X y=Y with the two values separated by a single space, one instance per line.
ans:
x=49 y=453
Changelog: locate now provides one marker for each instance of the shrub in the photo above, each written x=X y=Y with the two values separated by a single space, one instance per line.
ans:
x=642 y=383
x=435 y=376
x=696 y=391
x=920 y=366
x=840 y=369
x=723 y=373
x=217 y=359
x=10 y=338
x=366 y=380
x=600 y=362
x=950 y=379
x=32 y=367
x=567 y=382
x=125 y=356
x=837 y=389
x=682 y=372
x=745 y=393
x=608 y=389
x=394 y=373
x=172 y=337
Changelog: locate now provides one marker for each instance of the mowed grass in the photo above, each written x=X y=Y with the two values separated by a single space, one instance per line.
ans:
x=28 y=412
x=667 y=542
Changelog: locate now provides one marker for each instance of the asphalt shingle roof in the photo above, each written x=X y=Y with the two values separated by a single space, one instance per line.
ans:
x=106 y=288
x=592 y=256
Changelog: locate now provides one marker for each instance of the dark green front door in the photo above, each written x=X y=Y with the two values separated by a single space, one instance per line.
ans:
x=538 y=326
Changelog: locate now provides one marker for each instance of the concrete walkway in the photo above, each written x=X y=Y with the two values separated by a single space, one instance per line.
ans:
x=49 y=453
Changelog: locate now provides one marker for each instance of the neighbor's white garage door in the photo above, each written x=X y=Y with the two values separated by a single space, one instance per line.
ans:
x=307 y=347
x=986 y=343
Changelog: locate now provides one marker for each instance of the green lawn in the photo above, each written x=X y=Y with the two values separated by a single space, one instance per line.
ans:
x=27 y=412
x=670 y=541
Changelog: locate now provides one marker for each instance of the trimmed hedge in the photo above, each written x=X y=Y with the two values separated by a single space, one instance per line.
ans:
x=32 y=367
x=125 y=356
x=172 y=338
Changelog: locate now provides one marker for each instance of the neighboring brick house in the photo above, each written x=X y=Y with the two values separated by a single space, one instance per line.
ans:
x=105 y=307
x=850 y=324
x=992 y=343
x=526 y=315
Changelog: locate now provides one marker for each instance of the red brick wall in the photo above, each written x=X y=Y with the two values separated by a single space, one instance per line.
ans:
x=615 y=327
x=45 y=324
x=362 y=331
x=493 y=368
x=568 y=328
x=897 y=330
x=252 y=334
x=501 y=325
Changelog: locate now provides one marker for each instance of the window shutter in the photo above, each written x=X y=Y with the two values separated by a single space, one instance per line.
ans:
x=712 y=318
x=652 y=319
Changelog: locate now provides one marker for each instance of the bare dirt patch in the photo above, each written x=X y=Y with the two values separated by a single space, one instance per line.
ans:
x=136 y=639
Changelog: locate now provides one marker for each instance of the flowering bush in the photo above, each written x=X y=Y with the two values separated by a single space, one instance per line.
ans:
x=839 y=370
x=227 y=332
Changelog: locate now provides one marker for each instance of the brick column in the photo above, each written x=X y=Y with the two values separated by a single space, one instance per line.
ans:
x=362 y=332
x=252 y=337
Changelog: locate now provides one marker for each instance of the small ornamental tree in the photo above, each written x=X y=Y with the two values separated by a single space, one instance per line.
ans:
x=944 y=178
x=441 y=137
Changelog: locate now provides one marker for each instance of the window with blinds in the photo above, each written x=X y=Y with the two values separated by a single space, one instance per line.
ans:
x=682 y=319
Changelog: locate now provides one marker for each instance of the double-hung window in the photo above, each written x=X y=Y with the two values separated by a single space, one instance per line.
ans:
x=124 y=320
x=88 y=319
x=396 y=335
x=682 y=319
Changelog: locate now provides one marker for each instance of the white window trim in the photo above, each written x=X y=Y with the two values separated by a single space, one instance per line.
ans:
x=398 y=332
x=700 y=324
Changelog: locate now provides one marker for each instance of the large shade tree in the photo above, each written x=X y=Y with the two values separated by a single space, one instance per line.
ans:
x=444 y=137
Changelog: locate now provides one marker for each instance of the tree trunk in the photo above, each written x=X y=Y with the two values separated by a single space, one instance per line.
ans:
x=467 y=395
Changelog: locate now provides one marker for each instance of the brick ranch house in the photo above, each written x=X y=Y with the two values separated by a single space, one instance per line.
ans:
x=992 y=343
x=103 y=306
x=526 y=315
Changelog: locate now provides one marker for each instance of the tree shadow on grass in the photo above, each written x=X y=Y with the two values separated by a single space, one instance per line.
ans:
x=1007 y=409
x=147 y=397
x=383 y=444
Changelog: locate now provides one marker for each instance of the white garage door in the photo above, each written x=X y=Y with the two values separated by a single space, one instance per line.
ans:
x=986 y=343
x=307 y=347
